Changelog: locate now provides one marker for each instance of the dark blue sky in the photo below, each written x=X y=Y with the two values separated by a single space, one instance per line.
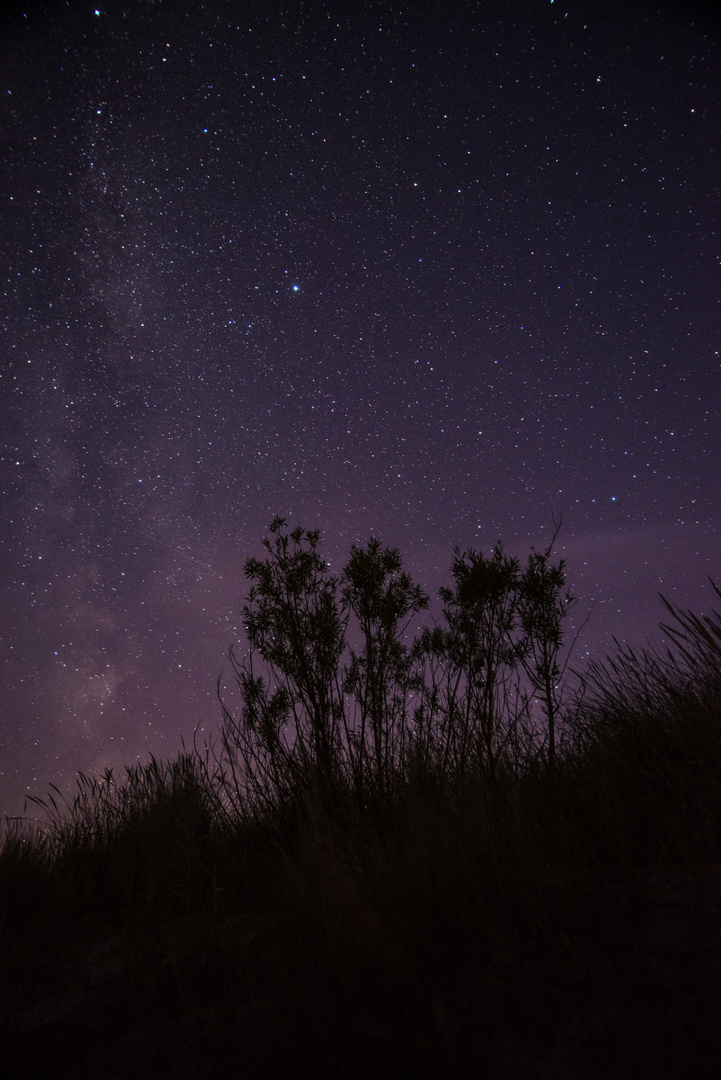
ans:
x=427 y=276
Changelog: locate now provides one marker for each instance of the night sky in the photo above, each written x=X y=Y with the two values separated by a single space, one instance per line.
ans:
x=428 y=276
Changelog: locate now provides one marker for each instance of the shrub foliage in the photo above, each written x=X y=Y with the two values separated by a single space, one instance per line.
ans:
x=335 y=696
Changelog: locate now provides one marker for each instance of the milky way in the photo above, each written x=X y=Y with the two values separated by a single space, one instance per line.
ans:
x=431 y=277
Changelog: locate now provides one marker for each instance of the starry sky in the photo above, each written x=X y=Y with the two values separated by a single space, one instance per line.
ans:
x=377 y=268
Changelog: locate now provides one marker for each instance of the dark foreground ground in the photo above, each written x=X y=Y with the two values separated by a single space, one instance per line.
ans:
x=630 y=989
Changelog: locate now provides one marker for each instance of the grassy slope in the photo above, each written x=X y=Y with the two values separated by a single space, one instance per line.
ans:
x=553 y=925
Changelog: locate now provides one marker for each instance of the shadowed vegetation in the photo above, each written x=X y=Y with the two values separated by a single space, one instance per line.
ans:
x=423 y=856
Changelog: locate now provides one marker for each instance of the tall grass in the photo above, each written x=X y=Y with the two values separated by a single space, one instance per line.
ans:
x=452 y=926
